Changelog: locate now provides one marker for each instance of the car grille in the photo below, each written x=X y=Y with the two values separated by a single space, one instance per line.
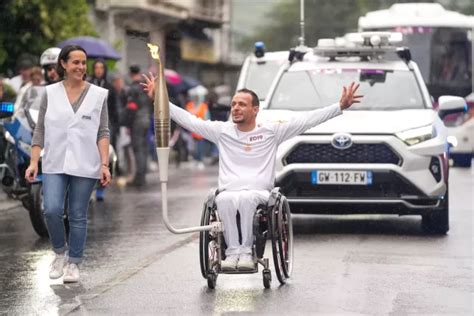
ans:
x=357 y=153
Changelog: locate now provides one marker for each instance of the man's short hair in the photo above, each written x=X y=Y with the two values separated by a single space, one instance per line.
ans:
x=134 y=69
x=255 y=100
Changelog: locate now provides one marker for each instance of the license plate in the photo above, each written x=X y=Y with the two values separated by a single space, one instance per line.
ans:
x=341 y=177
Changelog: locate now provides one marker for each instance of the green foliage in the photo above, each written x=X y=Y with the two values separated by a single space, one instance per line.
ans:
x=31 y=26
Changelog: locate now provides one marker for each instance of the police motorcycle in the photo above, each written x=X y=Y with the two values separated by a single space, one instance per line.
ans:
x=18 y=133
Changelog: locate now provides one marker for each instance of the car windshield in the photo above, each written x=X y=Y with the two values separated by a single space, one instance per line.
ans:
x=260 y=76
x=312 y=89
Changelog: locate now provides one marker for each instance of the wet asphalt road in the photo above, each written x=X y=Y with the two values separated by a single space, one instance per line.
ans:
x=349 y=265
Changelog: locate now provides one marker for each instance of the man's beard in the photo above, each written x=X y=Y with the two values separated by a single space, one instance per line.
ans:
x=240 y=120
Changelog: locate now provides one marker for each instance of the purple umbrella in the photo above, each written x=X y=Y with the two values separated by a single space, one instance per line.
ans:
x=95 y=47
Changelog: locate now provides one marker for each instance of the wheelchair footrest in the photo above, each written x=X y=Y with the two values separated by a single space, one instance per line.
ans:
x=236 y=271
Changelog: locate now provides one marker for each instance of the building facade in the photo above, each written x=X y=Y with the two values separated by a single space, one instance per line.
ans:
x=193 y=35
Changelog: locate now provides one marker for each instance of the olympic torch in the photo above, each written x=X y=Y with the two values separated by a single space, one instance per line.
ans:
x=162 y=137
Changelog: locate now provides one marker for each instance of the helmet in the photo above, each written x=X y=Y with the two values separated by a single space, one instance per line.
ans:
x=50 y=56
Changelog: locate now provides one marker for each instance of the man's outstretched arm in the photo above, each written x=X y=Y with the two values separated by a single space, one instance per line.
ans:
x=210 y=130
x=207 y=129
x=309 y=119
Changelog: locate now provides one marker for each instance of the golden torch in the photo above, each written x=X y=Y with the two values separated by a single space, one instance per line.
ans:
x=161 y=104
x=162 y=137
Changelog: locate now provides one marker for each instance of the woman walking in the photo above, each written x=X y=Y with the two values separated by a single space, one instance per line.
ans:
x=72 y=129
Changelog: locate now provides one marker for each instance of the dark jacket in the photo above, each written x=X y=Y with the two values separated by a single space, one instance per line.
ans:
x=139 y=107
x=111 y=103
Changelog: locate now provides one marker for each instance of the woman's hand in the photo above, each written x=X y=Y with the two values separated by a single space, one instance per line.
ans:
x=105 y=176
x=149 y=85
x=31 y=172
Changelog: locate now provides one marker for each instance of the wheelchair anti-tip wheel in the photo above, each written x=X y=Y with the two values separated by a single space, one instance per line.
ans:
x=281 y=234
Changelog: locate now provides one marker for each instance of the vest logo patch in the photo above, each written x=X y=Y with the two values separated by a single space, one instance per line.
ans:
x=87 y=117
x=255 y=138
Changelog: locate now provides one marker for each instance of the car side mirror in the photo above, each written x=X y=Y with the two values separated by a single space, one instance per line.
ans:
x=449 y=104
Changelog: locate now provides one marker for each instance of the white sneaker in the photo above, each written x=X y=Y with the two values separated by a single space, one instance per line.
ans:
x=72 y=273
x=230 y=263
x=246 y=262
x=57 y=266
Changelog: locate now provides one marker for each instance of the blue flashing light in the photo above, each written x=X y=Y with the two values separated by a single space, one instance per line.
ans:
x=259 y=49
x=259 y=45
x=7 y=107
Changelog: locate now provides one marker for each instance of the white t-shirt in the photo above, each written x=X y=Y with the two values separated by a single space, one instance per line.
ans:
x=247 y=159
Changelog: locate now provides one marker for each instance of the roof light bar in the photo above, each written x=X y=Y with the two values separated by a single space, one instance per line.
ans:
x=366 y=44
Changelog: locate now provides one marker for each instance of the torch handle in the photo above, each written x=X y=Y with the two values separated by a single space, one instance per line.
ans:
x=163 y=158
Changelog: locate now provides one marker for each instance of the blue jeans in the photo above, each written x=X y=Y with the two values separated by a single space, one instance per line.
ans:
x=54 y=193
x=200 y=148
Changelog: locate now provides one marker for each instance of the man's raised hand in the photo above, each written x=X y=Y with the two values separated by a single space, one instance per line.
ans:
x=149 y=85
x=349 y=97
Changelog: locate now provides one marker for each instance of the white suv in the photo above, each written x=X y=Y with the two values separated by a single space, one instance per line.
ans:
x=387 y=155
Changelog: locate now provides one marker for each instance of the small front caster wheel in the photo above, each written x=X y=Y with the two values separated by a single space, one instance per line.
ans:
x=267 y=278
x=211 y=280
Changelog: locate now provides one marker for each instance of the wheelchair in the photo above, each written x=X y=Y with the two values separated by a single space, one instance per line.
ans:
x=271 y=221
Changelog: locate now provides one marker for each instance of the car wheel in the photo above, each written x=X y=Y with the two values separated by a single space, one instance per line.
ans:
x=436 y=222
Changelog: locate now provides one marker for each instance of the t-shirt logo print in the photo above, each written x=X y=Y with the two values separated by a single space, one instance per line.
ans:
x=252 y=139
x=255 y=138
x=86 y=117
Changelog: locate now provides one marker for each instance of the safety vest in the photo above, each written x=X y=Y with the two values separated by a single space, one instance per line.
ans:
x=70 y=139
x=199 y=112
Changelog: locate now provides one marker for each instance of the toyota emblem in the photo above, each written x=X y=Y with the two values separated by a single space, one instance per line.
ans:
x=341 y=141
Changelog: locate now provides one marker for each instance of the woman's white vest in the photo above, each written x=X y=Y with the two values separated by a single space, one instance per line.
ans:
x=70 y=139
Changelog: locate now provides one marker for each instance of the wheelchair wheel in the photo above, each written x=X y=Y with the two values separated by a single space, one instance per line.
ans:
x=208 y=248
x=282 y=239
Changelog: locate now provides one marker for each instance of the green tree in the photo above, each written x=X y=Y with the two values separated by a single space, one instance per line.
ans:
x=31 y=26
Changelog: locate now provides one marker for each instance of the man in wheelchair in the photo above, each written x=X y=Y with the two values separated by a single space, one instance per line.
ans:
x=247 y=151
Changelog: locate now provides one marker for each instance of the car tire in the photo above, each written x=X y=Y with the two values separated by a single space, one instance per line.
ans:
x=436 y=222
x=35 y=209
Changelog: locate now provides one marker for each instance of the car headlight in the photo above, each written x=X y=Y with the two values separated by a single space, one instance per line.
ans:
x=417 y=135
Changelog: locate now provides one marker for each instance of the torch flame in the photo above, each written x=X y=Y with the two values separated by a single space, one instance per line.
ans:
x=154 y=51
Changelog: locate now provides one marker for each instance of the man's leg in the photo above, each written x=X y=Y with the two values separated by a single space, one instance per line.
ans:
x=227 y=203
x=140 y=149
x=248 y=202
